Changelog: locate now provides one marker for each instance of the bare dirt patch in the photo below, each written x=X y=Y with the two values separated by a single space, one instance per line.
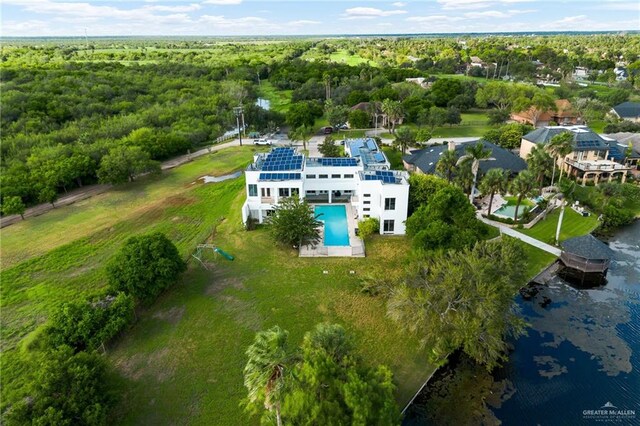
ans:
x=158 y=364
x=172 y=315
x=220 y=282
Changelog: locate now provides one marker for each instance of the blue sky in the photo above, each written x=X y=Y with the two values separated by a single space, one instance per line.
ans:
x=255 y=17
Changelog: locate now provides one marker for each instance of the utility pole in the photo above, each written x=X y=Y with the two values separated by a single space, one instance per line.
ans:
x=238 y=112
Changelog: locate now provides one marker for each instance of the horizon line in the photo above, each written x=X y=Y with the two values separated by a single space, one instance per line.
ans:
x=526 y=32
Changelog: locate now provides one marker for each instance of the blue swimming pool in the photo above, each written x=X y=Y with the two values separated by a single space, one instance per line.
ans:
x=336 y=230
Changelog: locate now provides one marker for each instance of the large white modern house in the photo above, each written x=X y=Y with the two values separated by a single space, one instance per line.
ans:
x=362 y=182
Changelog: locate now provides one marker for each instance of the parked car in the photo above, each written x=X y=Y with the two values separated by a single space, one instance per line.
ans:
x=327 y=130
x=261 y=142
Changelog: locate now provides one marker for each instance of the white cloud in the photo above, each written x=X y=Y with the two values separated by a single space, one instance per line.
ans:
x=304 y=22
x=371 y=12
x=496 y=14
x=434 y=18
x=475 y=4
x=399 y=4
x=222 y=2
x=186 y=8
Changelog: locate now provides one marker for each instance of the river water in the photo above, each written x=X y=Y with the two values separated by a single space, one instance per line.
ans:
x=581 y=355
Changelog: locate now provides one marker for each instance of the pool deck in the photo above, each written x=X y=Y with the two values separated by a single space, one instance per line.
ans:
x=354 y=249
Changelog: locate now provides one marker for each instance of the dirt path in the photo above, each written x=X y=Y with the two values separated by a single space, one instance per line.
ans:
x=91 y=190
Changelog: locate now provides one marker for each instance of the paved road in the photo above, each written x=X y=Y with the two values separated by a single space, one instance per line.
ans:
x=91 y=190
x=522 y=237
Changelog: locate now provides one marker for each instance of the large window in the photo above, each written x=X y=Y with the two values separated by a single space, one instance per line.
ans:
x=283 y=192
x=389 y=203
x=266 y=192
x=311 y=176
x=389 y=226
x=253 y=190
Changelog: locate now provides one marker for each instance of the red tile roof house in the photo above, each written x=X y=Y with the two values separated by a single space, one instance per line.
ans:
x=564 y=115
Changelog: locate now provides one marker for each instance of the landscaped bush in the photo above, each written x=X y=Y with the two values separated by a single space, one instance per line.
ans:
x=368 y=227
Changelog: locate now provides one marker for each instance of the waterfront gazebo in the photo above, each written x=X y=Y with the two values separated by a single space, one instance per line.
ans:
x=586 y=260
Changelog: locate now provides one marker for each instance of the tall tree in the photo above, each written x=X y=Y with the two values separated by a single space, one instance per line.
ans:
x=124 y=163
x=405 y=137
x=447 y=163
x=540 y=163
x=13 y=205
x=393 y=110
x=334 y=386
x=522 y=186
x=145 y=266
x=294 y=223
x=464 y=299
x=474 y=155
x=495 y=181
x=558 y=147
x=268 y=369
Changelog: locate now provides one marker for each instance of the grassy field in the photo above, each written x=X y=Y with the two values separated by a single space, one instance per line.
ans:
x=279 y=99
x=342 y=56
x=573 y=225
x=182 y=362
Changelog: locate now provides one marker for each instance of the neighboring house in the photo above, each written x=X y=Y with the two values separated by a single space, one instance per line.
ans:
x=476 y=62
x=564 y=115
x=420 y=81
x=362 y=181
x=425 y=160
x=629 y=111
x=580 y=73
x=589 y=160
x=621 y=73
x=378 y=118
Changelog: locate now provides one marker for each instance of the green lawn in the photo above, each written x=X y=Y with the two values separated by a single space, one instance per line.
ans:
x=597 y=125
x=537 y=259
x=342 y=56
x=279 y=99
x=573 y=225
x=182 y=362
x=394 y=156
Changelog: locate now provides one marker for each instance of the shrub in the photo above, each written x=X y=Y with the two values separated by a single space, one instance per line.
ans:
x=294 y=223
x=87 y=326
x=368 y=227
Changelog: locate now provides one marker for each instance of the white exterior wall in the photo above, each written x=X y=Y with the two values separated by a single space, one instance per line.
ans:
x=377 y=192
x=331 y=183
x=259 y=205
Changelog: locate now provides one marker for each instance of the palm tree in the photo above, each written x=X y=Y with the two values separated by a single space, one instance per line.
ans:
x=302 y=133
x=447 y=164
x=265 y=374
x=522 y=185
x=405 y=137
x=540 y=163
x=393 y=111
x=474 y=154
x=495 y=181
x=558 y=147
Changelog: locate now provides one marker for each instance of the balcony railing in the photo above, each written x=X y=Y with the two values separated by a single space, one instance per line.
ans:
x=596 y=165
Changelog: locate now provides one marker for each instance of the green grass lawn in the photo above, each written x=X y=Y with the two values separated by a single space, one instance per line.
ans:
x=342 y=56
x=537 y=259
x=597 y=125
x=512 y=201
x=279 y=99
x=573 y=225
x=182 y=361
x=394 y=156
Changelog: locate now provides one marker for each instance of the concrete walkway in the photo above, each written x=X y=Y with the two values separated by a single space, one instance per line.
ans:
x=522 y=237
x=91 y=190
